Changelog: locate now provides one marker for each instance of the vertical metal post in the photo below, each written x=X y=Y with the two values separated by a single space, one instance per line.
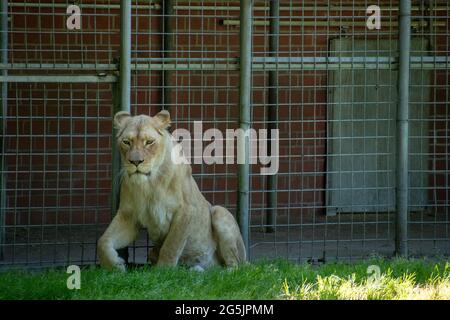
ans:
x=245 y=83
x=167 y=52
x=125 y=54
x=401 y=243
x=3 y=110
x=121 y=101
x=272 y=110
x=121 y=94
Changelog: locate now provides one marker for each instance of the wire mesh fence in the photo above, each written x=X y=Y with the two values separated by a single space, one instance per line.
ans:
x=56 y=135
x=337 y=104
x=319 y=75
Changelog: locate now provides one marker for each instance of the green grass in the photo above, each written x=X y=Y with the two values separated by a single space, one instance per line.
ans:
x=399 y=279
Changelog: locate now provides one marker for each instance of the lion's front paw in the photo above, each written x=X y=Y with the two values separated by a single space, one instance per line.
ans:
x=109 y=259
x=113 y=264
x=119 y=265
x=197 y=268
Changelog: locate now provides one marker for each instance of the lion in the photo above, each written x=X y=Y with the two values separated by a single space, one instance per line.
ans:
x=161 y=195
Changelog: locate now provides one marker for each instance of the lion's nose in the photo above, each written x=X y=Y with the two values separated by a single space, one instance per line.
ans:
x=136 y=162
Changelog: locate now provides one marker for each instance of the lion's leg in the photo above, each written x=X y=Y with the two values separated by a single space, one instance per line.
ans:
x=175 y=241
x=230 y=244
x=120 y=233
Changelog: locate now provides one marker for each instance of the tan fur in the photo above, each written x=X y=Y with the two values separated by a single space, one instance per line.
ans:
x=163 y=197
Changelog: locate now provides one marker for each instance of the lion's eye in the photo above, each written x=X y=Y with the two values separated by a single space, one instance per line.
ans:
x=127 y=142
x=149 y=142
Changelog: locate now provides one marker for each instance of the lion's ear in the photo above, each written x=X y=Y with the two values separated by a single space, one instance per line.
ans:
x=164 y=117
x=120 y=117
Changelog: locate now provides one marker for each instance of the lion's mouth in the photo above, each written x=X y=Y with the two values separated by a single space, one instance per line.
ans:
x=142 y=173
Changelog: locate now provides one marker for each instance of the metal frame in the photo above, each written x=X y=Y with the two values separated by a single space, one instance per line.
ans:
x=258 y=63
x=125 y=55
x=167 y=29
x=401 y=244
x=273 y=110
x=204 y=70
x=245 y=85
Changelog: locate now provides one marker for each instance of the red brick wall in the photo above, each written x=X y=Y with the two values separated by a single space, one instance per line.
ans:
x=59 y=135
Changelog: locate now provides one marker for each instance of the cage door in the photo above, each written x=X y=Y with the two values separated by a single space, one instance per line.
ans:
x=362 y=129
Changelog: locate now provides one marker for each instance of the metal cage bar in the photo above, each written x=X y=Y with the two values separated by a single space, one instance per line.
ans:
x=125 y=55
x=401 y=244
x=273 y=110
x=245 y=118
x=167 y=22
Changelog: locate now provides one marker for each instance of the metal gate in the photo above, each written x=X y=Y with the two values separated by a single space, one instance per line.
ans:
x=363 y=148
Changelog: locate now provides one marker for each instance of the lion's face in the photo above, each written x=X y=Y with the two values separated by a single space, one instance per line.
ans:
x=141 y=141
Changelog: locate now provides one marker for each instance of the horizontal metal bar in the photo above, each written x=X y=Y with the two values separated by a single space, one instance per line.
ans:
x=279 y=59
x=331 y=23
x=52 y=243
x=157 y=6
x=264 y=67
x=83 y=5
x=59 y=78
x=173 y=59
x=344 y=66
x=327 y=8
x=59 y=66
x=184 y=66
x=303 y=241
x=259 y=63
x=355 y=59
x=286 y=66
x=326 y=223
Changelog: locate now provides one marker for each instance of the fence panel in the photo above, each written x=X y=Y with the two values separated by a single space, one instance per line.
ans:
x=336 y=109
x=319 y=75
x=56 y=138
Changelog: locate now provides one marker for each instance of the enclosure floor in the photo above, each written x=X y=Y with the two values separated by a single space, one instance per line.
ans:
x=319 y=240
